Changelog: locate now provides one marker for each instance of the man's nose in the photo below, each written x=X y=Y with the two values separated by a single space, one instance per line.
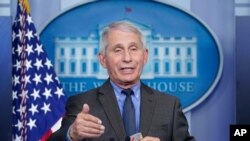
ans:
x=127 y=56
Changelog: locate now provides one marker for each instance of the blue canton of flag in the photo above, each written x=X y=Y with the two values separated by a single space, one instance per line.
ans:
x=37 y=96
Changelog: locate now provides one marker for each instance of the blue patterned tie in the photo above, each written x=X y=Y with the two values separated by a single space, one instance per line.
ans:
x=129 y=113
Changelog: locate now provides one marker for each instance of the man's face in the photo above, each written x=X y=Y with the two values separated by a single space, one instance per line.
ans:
x=124 y=58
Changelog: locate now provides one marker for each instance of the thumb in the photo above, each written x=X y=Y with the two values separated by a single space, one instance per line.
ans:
x=85 y=108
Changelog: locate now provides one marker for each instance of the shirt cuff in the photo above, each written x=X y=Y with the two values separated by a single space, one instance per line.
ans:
x=68 y=136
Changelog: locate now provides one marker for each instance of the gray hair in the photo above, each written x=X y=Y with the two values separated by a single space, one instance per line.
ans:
x=122 y=26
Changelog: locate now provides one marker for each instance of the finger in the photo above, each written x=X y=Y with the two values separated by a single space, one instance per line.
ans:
x=91 y=118
x=148 y=138
x=85 y=129
x=85 y=108
x=94 y=131
x=85 y=124
x=90 y=135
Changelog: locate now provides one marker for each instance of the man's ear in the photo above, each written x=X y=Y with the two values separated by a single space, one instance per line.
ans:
x=102 y=60
x=145 y=56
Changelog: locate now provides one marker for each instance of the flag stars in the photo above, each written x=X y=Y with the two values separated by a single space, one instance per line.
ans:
x=17 y=65
x=35 y=89
x=24 y=94
x=27 y=79
x=16 y=80
x=48 y=78
x=22 y=109
x=13 y=35
x=47 y=93
x=19 y=50
x=19 y=110
x=33 y=109
x=48 y=63
x=14 y=110
x=21 y=18
x=18 y=138
x=37 y=78
x=29 y=19
x=38 y=64
x=39 y=49
x=35 y=34
x=31 y=123
x=13 y=50
x=29 y=34
x=35 y=94
x=29 y=49
x=15 y=22
x=19 y=125
x=57 y=79
x=19 y=35
x=59 y=92
x=46 y=108
x=14 y=95
x=28 y=64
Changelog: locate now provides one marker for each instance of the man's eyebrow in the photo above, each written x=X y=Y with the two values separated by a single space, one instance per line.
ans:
x=133 y=44
x=118 y=46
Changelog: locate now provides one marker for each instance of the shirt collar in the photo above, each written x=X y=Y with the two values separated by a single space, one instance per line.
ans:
x=135 y=88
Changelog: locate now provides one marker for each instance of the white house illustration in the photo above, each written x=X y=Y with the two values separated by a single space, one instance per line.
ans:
x=168 y=56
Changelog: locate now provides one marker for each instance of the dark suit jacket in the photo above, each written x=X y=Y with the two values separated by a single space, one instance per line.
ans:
x=161 y=115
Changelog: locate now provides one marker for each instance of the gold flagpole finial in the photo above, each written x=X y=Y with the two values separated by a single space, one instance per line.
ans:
x=25 y=4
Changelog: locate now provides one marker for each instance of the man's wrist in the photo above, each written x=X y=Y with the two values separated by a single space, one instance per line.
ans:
x=72 y=137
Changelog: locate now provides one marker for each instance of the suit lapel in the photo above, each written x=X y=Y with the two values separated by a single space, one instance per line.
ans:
x=148 y=102
x=110 y=105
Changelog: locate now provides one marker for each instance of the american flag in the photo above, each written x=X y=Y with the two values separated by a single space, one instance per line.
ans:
x=37 y=96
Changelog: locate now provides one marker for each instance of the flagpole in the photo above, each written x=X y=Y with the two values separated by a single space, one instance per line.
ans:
x=23 y=71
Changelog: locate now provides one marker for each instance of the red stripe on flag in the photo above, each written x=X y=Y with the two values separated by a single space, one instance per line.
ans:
x=46 y=136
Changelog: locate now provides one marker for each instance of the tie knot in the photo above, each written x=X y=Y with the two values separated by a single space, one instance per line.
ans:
x=127 y=92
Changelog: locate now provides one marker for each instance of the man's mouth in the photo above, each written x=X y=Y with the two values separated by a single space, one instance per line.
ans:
x=127 y=69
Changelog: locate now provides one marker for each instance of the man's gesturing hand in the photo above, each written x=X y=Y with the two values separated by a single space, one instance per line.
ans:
x=148 y=138
x=86 y=125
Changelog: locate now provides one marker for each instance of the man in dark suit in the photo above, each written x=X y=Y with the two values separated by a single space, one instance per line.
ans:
x=123 y=105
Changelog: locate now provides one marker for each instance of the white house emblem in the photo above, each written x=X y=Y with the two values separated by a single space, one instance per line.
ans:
x=184 y=56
